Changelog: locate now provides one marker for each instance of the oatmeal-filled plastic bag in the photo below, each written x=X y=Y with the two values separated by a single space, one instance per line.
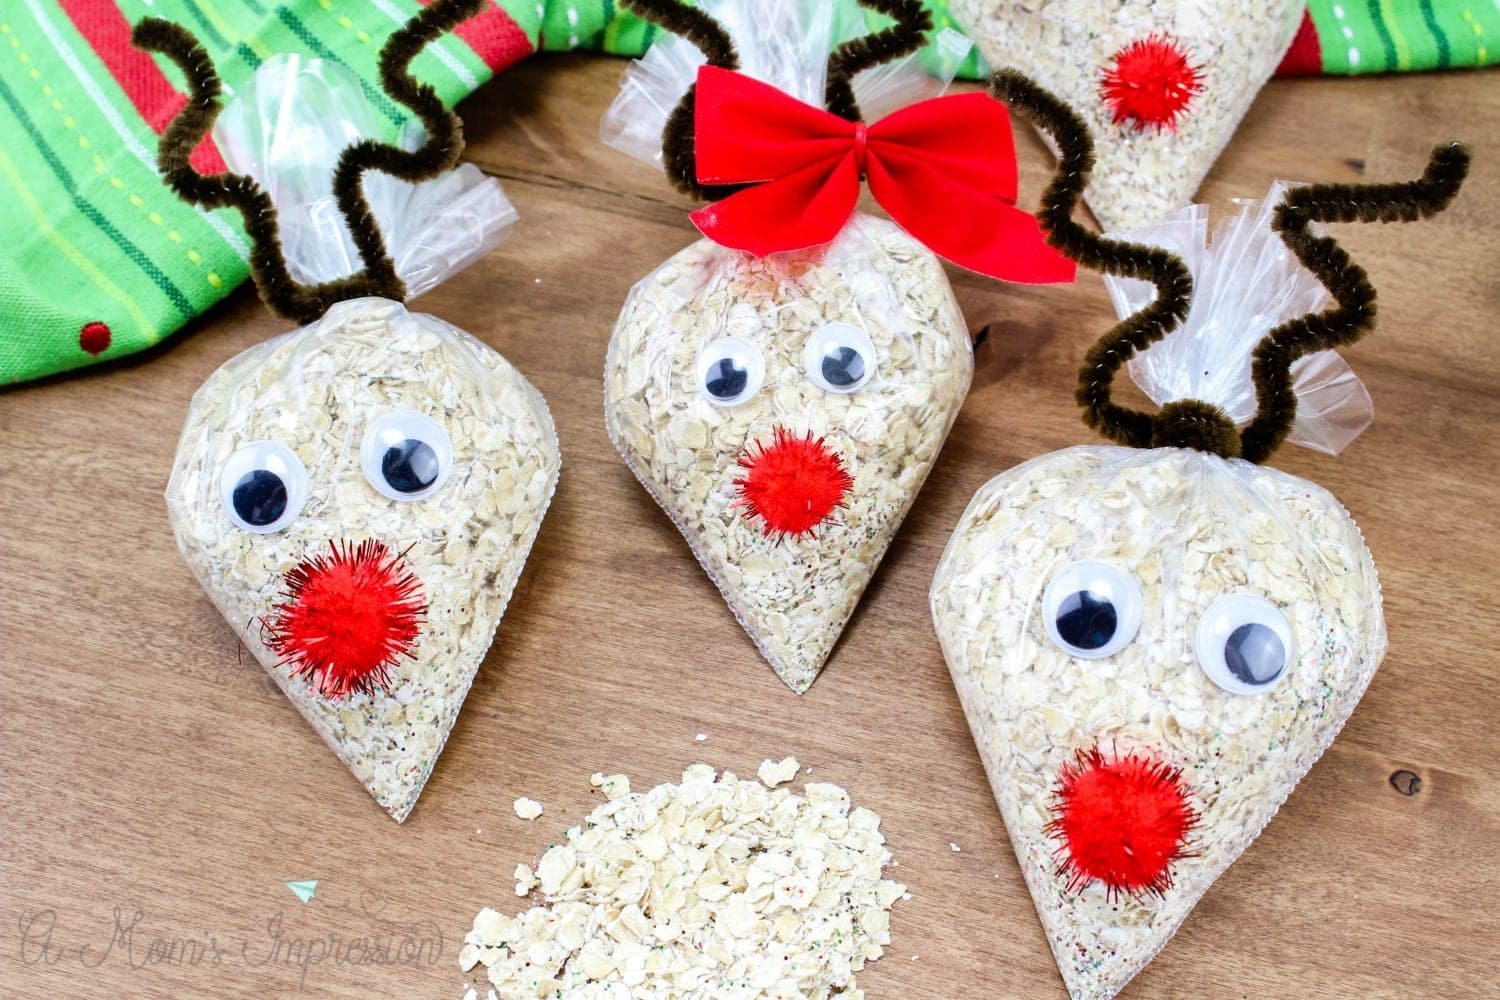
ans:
x=1162 y=85
x=357 y=496
x=1153 y=643
x=782 y=387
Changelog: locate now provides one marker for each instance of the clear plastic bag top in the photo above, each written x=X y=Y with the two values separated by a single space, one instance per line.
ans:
x=287 y=126
x=1245 y=283
x=781 y=42
x=1189 y=633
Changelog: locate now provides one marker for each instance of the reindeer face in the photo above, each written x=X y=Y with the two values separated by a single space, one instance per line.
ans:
x=358 y=498
x=1152 y=648
x=1162 y=87
x=785 y=412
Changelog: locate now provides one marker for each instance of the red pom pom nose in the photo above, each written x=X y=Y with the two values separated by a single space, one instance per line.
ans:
x=1122 y=820
x=792 y=484
x=1151 y=83
x=349 y=614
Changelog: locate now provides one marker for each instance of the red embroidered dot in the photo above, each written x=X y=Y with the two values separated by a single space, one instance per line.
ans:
x=349 y=614
x=1122 y=821
x=792 y=484
x=1151 y=83
x=94 y=338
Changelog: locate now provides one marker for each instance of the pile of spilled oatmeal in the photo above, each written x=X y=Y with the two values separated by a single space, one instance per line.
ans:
x=713 y=887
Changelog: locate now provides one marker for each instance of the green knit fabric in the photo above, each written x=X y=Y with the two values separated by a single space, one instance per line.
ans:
x=1383 y=36
x=97 y=251
x=99 y=259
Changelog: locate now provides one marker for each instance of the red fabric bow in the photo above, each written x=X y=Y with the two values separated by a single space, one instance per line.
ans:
x=945 y=170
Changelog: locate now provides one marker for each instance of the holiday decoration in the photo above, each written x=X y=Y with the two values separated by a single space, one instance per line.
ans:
x=1162 y=86
x=1154 y=643
x=358 y=496
x=783 y=387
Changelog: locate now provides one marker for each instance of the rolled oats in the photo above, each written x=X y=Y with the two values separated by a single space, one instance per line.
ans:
x=775 y=773
x=711 y=888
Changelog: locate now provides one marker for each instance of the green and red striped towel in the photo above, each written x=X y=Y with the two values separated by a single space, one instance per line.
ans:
x=1384 y=36
x=99 y=259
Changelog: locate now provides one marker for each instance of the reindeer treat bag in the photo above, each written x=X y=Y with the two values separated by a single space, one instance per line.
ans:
x=358 y=496
x=782 y=387
x=1162 y=85
x=1154 y=642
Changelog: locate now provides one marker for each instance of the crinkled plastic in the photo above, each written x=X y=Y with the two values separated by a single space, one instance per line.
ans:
x=1245 y=283
x=287 y=127
x=1193 y=548
x=1144 y=171
x=781 y=42
x=747 y=482
x=323 y=394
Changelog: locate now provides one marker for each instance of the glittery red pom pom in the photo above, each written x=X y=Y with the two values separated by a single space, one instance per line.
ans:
x=349 y=614
x=793 y=484
x=1122 y=821
x=1151 y=83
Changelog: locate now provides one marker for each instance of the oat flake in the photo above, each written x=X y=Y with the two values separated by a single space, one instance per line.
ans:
x=775 y=773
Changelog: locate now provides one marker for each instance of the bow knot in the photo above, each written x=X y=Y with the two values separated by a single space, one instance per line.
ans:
x=944 y=169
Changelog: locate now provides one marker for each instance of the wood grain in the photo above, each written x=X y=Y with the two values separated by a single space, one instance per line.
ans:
x=152 y=769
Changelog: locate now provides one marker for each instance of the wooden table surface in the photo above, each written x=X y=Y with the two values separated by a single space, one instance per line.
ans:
x=159 y=791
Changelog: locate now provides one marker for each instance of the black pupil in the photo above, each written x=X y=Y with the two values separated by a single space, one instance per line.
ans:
x=260 y=498
x=1254 y=654
x=843 y=366
x=1086 y=621
x=726 y=379
x=410 y=467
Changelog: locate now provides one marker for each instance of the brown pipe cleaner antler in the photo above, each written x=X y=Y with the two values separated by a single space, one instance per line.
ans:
x=913 y=22
x=1192 y=423
x=438 y=153
x=678 y=138
x=1187 y=423
x=1353 y=312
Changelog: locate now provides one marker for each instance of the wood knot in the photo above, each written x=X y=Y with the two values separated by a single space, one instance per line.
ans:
x=1406 y=782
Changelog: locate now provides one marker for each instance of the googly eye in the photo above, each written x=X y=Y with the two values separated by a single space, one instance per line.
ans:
x=263 y=487
x=1092 y=609
x=1244 y=643
x=839 y=357
x=406 y=455
x=730 y=371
